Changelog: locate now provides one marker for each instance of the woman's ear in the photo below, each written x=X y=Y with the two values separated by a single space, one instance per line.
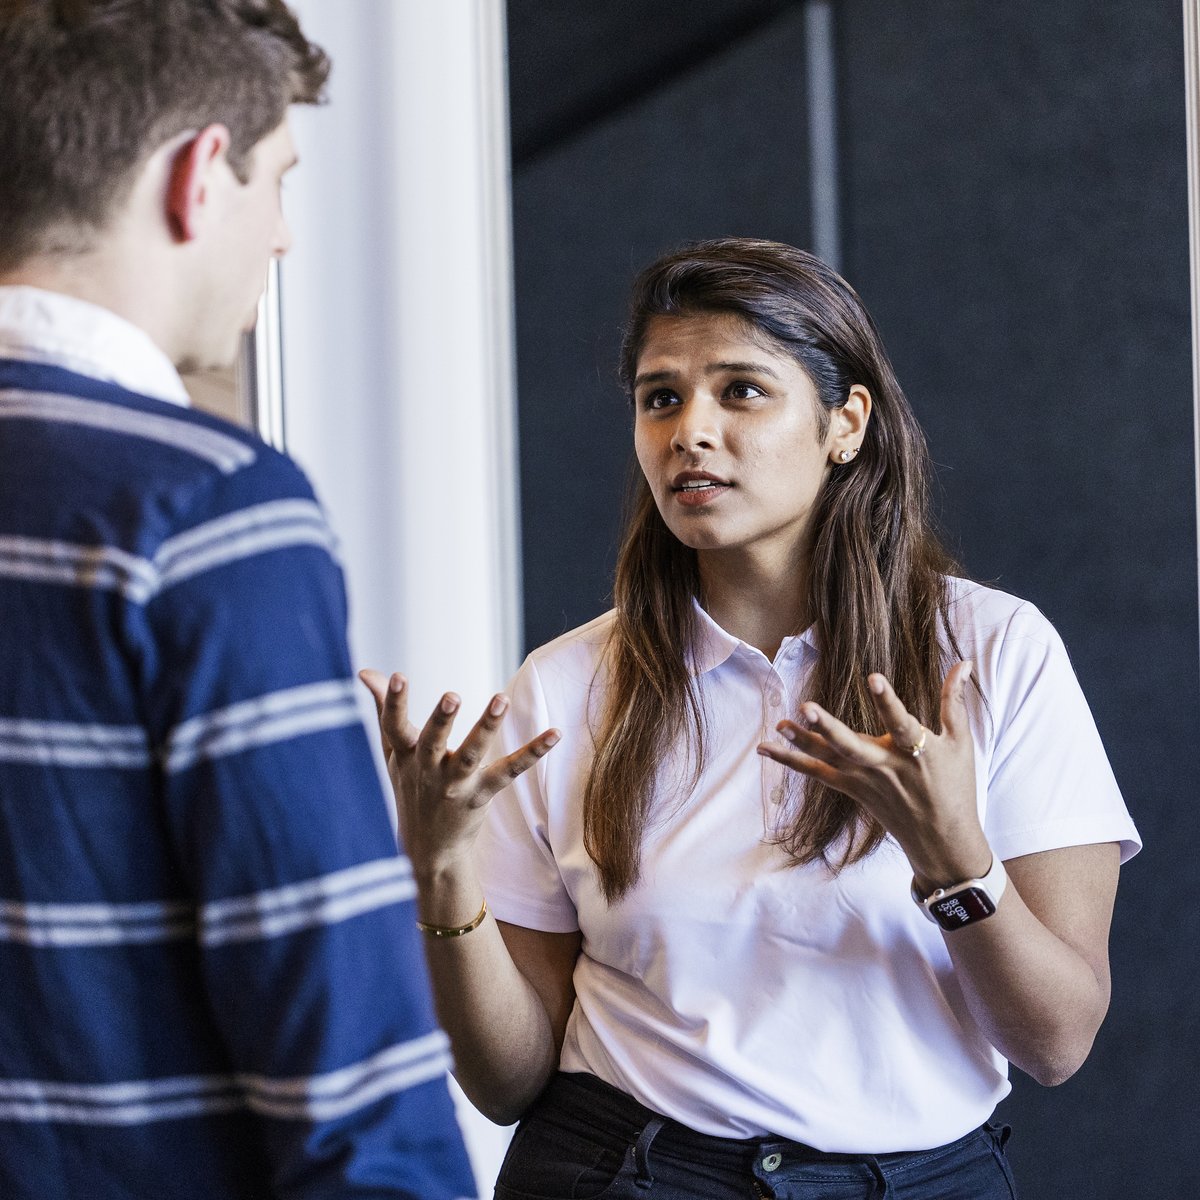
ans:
x=848 y=425
x=192 y=182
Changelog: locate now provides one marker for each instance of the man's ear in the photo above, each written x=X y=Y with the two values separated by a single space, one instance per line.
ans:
x=193 y=176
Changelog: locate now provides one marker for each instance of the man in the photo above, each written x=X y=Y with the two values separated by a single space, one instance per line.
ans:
x=209 y=979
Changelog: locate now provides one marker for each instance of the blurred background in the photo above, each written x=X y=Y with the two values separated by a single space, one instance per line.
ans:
x=1007 y=187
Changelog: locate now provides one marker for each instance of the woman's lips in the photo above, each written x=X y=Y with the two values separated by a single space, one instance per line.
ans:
x=698 y=493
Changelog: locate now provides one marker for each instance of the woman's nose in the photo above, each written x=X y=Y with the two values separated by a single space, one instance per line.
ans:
x=696 y=428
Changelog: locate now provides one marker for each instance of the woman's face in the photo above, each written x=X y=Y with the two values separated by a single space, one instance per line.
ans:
x=726 y=432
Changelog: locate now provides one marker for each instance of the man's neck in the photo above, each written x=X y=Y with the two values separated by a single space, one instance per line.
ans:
x=44 y=319
x=91 y=278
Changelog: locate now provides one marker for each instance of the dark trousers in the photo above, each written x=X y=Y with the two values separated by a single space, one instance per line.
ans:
x=585 y=1140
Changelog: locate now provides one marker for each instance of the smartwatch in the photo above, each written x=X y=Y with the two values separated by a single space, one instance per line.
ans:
x=964 y=903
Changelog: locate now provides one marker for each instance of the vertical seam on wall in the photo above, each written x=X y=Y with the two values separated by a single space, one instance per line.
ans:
x=822 y=131
x=1191 y=57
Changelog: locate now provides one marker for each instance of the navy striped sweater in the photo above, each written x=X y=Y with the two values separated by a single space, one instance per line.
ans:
x=210 y=984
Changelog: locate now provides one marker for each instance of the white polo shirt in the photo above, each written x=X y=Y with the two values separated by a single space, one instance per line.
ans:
x=742 y=995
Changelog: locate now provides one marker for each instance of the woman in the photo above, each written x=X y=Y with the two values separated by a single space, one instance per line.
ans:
x=706 y=977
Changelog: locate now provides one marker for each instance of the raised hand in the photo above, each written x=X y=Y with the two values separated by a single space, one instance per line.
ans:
x=442 y=794
x=920 y=786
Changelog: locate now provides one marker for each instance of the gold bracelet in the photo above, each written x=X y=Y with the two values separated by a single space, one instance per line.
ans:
x=446 y=931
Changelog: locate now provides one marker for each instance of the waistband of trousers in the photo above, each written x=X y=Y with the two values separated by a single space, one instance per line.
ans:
x=619 y=1113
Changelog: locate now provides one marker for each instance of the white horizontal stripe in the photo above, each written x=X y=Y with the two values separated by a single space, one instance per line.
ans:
x=255 y=709
x=65 y=935
x=224 y=452
x=289 y=895
x=53 y=754
x=133 y=1102
x=72 y=732
x=248 y=545
x=83 y=914
x=324 y=900
x=46 y=572
x=313 y=1097
x=245 y=520
x=346 y=1080
x=43 y=560
x=385 y=1084
x=256 y=530
x=125 y=1114
x=323 y=912
x=73 y=744
x=39 y=924
x=262 y=721
x=127 y=1091
x=278 y=729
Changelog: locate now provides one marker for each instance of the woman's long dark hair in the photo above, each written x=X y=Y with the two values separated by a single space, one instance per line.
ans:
x=877 y=591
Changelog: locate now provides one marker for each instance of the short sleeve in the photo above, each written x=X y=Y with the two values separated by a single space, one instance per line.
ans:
x=1049 y=782
x=515 y=849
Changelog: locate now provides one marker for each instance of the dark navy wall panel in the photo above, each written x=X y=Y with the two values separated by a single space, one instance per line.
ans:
x=577 y=64
x=721 y=149
x=1016 y=218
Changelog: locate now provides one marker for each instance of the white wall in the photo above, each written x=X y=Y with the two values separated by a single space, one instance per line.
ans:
x=397 y=347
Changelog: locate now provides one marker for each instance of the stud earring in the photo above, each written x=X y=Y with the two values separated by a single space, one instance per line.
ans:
x=847 y=455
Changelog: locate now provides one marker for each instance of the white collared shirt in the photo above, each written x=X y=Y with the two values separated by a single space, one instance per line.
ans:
x=41 y=326
x=740 y=994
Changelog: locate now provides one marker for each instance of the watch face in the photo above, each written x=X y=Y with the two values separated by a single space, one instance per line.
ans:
x=962 y=908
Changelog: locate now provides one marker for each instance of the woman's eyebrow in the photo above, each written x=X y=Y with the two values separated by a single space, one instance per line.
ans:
x=757 y=368
x=654 y=377
x=715 y=368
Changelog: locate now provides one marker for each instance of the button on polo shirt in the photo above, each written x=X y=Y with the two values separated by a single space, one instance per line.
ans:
x=779 y=684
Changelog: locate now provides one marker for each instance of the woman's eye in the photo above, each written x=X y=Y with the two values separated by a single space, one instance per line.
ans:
x=744 y=391
x=659 y=399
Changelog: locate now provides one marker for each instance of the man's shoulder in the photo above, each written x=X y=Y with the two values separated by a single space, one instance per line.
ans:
x=165 y=467
x=78 y=406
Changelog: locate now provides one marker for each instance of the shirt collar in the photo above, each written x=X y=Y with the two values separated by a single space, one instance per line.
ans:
x=41 y=326
x=711 y=645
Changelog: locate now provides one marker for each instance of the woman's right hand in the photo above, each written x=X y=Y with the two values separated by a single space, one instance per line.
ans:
x=505 y=1010
x=442 y=794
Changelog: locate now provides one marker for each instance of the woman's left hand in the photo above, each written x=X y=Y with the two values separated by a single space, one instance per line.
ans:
x=919 y=785
x=1035 y=976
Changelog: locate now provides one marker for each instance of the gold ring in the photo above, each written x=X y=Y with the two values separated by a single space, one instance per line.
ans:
x=919 y=749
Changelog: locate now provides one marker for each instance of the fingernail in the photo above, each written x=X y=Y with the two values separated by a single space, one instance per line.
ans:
x=810 y=713
x=497 y=706
x=786 y=731
x=875 y=683
x=396 y=683
x=450 y=703
x=553 y=738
